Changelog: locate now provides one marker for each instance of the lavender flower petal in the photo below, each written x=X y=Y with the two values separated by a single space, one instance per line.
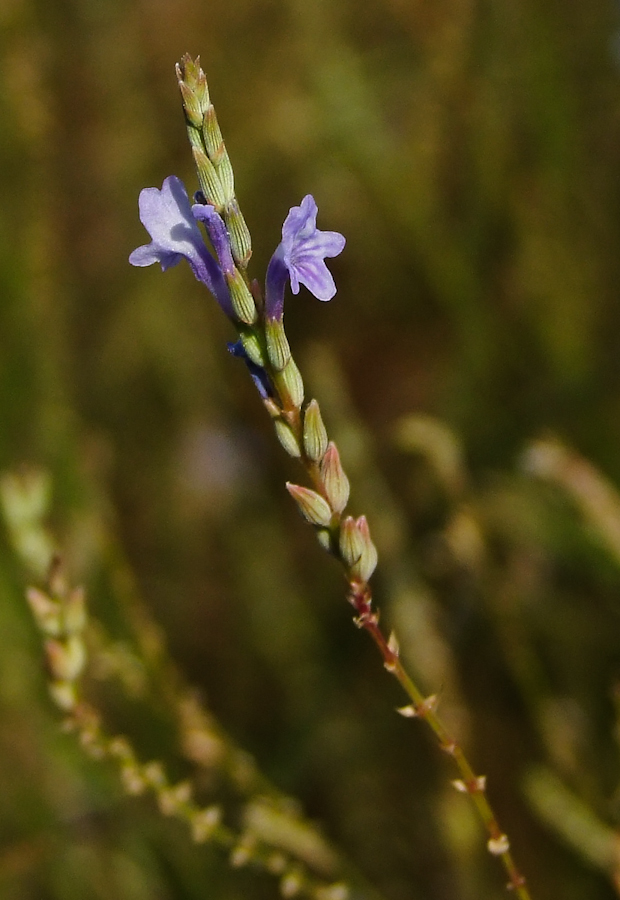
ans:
x=167 y=216
x=301 y=257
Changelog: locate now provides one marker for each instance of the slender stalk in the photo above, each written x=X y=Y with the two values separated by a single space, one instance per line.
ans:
x=425 y=708
x=300 y=429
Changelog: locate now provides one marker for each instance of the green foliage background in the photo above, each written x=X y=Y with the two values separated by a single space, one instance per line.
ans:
x=470 y=153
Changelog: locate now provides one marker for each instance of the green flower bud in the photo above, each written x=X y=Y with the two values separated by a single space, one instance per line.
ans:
x=66 y=659
x=315 y=433
x=227 y=179
x=46 y=611
x=154 y=775
x=190 y=73
x=208 y=179
x=241 y=298
x=131 y=779
x=191 y=103
x=286 y=436
x=334 y=480
x=204 y=822
x=253 y=346
x=64 y=694
x=214 y=142
x=351 y=542
x=240 y=240
x=173 y=799
x=324 y=536
x=278 y=348
x=289 y=385
x=291 y=883
x=314 y=508
x=120 y=748
x=363 y=568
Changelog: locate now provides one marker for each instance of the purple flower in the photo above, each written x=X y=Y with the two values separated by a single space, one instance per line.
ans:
x=301 y=257
x=167 y=216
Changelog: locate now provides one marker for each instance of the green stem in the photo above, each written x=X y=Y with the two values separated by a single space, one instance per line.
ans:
x=425 y=708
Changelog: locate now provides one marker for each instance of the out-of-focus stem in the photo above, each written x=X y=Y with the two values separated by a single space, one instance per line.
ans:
x=575 y=822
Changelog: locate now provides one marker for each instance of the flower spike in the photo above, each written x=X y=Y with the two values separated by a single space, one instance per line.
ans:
x=301 y=256
x=262 y=345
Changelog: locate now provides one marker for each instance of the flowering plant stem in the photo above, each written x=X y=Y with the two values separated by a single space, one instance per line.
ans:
x=360 y=597
x=263 y=345
x=424 y=708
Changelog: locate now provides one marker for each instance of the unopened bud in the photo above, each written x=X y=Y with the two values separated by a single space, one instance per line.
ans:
x=351 y=541
x=224 y=170
x=334 y=479
x=213 y=139
x=278 y=348
x=291 y=884
x=242 y=853
x=253 y=346
x=204 y=822
x=314 y=508
x=190 y=73
x=46 y=611
x=173 y=799
x=132 y=780
x=191 y=103
x=240 y=240
x=120 y=748
x=363 y=568
x=64 y=694
x=241 y=298
x=286 y=436
x=325 y=539
x=66 y=659
x=315 y=433
x=289 y=385
x=216 y=151
x=210 y=184
x=153 y=773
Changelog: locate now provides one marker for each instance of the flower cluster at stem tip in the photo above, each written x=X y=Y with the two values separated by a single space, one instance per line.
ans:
x=172 y=224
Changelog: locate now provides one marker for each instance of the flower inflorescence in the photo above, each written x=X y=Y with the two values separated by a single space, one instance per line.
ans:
x=220 y=263
x=262 y=343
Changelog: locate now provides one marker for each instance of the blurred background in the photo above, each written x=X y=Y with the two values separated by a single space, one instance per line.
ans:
x=468 y=367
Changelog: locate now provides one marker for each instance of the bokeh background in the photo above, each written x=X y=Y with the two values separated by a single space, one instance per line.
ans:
x=470 y=152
